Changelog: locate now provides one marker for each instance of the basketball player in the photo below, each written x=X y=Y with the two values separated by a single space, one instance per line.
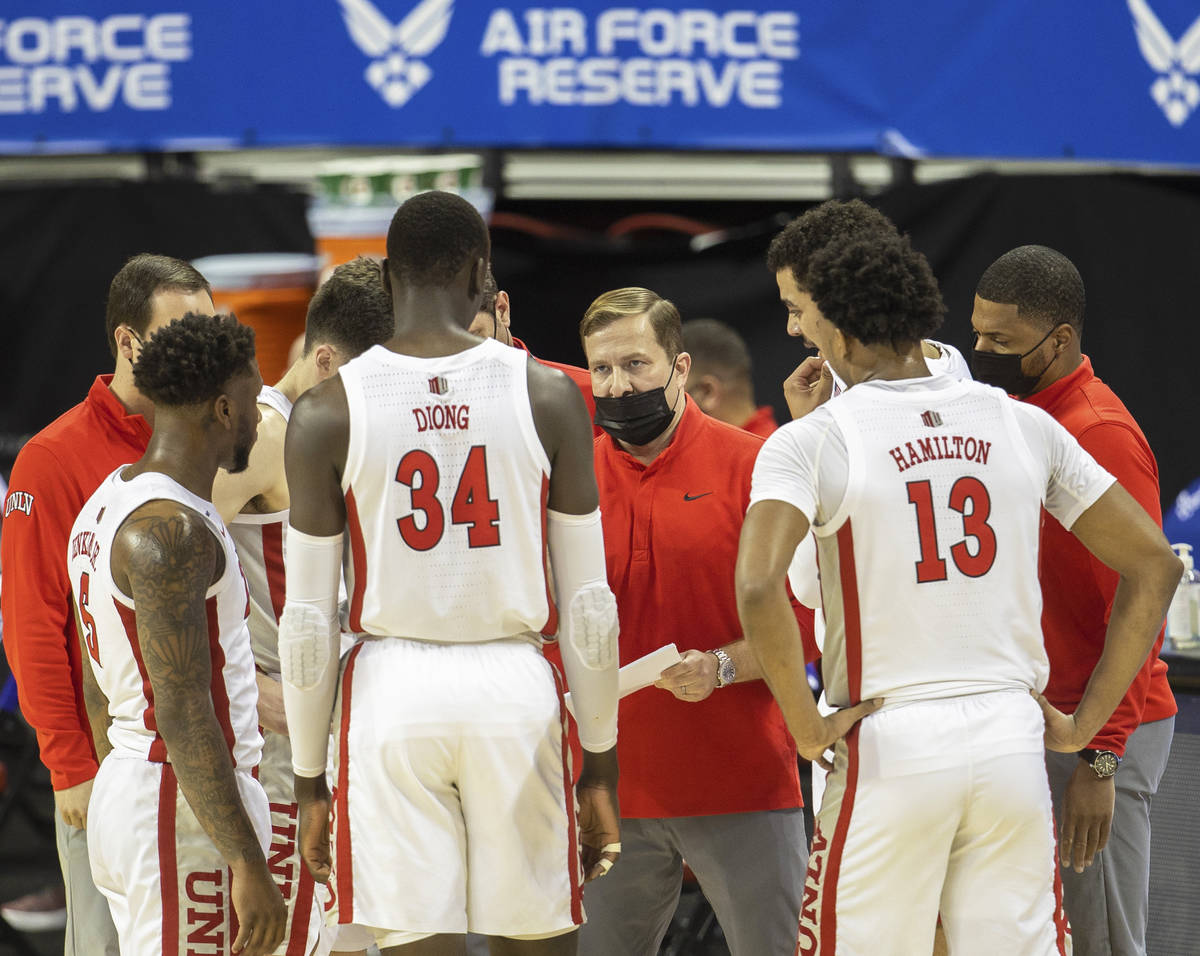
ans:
x=814 y=381
x=454 y=464
x=52 y=477
x=925 y=495
x=349 y=313
x=178 y=824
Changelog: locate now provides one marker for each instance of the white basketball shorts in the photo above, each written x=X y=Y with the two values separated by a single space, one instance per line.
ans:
x=938 y=805
x=167 y=886
x=454 y=803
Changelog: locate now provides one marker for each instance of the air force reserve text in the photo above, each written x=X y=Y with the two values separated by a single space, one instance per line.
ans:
x=650 y=57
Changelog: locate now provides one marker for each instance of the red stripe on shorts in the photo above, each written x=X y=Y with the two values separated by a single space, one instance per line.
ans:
x=168 y=865
x=1061 y=927
x=345 y=866
x=551 y=626
x=850 y=612
x=574 y=863
x=358 y=554
x=298 y=939
x=838 y=844
x=272 y=542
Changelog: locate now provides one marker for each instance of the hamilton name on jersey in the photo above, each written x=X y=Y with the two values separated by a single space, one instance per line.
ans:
x=939 y=448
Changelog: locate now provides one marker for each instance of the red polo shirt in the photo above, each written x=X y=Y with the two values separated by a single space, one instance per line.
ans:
x=56 y=472
x=671 y=533
x=580 y=376
x=762 y=423
x=1078 y=589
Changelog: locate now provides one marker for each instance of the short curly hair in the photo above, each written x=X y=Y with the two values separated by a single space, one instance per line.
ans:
x=805 y=236
x=432 y=236
x=1041 y=282
x=190 y=360
x=877 y=288
x=352 y=310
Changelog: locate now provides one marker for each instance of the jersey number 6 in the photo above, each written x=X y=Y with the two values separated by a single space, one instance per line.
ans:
x=472 y=505
x=969 y=497
x=89 y=622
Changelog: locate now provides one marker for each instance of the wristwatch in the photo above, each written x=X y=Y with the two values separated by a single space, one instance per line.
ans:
x=726 y=668
x=1104 y=763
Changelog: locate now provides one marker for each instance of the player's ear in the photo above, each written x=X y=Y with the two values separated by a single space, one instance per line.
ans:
x=223 y=410
x=503 y=309
x=324 y=355
x=704 y=390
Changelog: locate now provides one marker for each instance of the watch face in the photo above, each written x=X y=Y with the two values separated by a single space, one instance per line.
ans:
x=728 y=672
x=1104 y=764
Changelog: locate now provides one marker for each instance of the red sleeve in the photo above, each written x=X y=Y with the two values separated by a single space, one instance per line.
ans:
x=1126 y=458
x=39 y=626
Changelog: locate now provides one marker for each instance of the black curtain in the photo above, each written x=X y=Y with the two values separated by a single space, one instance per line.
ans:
x=60 y=246
x=1135 y=239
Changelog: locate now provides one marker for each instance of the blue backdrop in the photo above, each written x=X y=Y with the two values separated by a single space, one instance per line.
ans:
x=1096 y=79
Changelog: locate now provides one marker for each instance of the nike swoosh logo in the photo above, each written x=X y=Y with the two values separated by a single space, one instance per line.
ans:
x=687 y=497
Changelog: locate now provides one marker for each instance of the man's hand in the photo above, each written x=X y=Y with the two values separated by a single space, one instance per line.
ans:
x=833 y=728
x=261 y=912
x=312 y=796
x=72 y=803
x=1087 y=815
x=693 y=678
x=1061 y=736
x=809 y=387
x=599 y=829
x=270 y=704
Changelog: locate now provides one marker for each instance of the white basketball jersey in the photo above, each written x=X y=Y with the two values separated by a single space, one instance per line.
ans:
x=110 y=624
x=445 y=485
x=261 y=542
x=925 y=497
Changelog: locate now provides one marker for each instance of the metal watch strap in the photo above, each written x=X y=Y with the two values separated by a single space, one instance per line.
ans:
x=724 y=663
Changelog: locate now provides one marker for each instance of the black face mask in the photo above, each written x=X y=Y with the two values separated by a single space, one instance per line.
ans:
x=637 y=418
x=1004 y=369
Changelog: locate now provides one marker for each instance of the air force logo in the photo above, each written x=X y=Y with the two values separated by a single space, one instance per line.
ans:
x=1175 y=91
x=395 y=72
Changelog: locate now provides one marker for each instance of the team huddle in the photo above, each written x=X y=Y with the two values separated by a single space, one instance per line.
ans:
x=319 y=633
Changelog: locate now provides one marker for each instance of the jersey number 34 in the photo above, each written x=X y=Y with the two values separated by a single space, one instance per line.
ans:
x=969 y=497
x=472 y=506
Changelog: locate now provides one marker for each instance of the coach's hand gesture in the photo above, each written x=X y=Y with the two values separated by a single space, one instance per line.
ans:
x=312 y=797
x=261 y=913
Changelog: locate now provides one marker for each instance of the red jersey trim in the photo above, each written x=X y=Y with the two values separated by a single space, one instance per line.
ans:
x=551 y=626
x=272 y=541
x=358 y=555
x=216 y=679
x=158 y=749
x=850 y=612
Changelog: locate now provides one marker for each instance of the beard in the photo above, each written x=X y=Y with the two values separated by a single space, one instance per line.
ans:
x=241 y=458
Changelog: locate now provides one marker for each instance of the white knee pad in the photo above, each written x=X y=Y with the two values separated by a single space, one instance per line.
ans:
x=305 y=644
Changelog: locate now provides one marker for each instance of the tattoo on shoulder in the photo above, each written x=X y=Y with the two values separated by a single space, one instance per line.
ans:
x=172 y=558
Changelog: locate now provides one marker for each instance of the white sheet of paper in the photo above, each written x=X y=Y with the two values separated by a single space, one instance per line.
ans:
x=640 y=673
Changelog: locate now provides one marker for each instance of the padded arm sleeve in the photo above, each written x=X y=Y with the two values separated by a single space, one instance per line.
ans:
x=308 y=646
x=587 y=634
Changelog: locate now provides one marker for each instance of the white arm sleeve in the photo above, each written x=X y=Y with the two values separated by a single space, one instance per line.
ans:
x=308 y=646
x=587 y=629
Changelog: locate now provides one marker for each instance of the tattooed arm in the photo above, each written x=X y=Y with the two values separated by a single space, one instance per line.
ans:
x=166 y=558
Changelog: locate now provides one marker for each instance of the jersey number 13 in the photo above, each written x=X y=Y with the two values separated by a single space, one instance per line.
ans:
x=969 y=497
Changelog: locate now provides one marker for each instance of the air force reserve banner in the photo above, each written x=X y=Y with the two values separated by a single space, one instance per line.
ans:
x=1114 y=80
